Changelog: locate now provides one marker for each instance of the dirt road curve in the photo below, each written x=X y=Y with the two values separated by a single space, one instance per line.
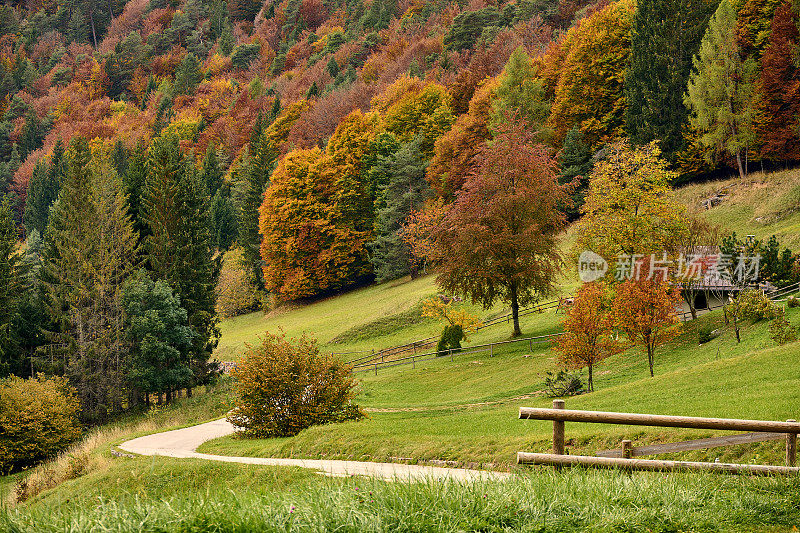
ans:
x=182 y=443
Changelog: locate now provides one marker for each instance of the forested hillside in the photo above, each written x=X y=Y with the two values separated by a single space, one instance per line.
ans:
x=168 y=162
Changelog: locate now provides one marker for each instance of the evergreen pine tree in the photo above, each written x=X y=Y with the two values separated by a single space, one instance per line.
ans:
x=133 y=182
x=32 y=134
x=575 y=160
x=85 y=266
x=720 y=91
x=43 y=190
x=261 y=164
x=211 y=173
x=406 y=190
x=187 y=75
x=333 y=67
x=9 y=292
x=37 y=203
x=180 y=248
x=224 y=226
x=8 y=170
x=119 y=158
x=666 y=34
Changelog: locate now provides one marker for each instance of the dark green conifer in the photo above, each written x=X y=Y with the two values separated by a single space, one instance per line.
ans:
x=666 y=34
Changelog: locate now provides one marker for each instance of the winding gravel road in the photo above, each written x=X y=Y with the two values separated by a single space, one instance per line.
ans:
x=183 y=443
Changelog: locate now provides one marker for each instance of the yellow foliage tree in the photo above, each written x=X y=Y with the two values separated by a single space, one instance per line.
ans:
x=630 y=207
x=39 y=419
x=589 y=91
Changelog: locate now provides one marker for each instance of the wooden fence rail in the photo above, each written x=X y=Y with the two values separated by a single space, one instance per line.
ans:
x=764 y=430
x=414 y=358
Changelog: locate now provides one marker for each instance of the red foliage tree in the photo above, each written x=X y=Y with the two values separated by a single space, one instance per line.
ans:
x=645 y=308
x=779 y=86
x=498 y=239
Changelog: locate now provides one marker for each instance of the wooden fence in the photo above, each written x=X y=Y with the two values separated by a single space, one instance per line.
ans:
x=413 y=359
x=420 y=344
x=411 y=351
x=763 y=430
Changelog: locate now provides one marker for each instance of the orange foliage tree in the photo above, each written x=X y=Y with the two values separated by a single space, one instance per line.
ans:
x=317 y=215
x=589 y=330
x=456 y=150
x=645 y=308
x=779 y=87
x=589 y=91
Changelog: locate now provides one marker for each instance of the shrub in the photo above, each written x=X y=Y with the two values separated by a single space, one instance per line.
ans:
x=706 y=334
x=793 y=301
x=781 y=331
x=285 y=386
x=450 y=341
x=563 y=384
x=756 y=306
x=38 y=419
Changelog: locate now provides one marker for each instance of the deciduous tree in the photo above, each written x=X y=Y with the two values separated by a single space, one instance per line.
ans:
x=779 y=87
x=588 y=330
x=721 y=89
x=158 y=336
x=645 y=308
x=498 y=239
x=630 y=207
x=589 y=92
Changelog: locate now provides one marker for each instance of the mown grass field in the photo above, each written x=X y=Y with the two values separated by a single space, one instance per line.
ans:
x=466 y=411
x=463 y=411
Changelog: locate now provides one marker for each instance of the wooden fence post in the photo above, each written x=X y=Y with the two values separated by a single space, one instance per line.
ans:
x=558 y=430
x=376 y=368
x=626 y=449
x=413 y=362
x=491 y=350
x=530 y=343
x=791 y=447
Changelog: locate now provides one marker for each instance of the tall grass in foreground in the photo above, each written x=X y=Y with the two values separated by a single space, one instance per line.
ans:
x=573 y=500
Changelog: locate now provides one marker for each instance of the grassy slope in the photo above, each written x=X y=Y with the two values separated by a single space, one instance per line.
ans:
x=762 y=205
x=356 y=310
x=430 y=421
x=430 y=418
x=281 y=500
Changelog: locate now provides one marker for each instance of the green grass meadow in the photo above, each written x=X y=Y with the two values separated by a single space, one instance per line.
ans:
x=464 y=412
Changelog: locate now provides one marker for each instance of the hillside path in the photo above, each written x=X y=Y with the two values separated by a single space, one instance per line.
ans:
x=183 y=443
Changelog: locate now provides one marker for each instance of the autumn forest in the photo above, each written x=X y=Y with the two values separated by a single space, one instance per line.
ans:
x=167 y=163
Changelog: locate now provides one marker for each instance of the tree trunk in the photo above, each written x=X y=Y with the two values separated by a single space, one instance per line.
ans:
x=650 y=358
x=94 y=33
x=515 y=310
x=590 y=386
x=188 y=392
x=739 y=162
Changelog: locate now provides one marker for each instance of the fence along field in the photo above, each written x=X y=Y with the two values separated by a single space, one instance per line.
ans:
x=397 y=355
x=764 y=430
